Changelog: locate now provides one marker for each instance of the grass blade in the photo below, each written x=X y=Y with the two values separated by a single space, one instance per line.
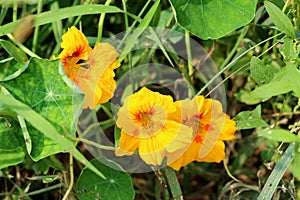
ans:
x=277 y=173
x=63 y=13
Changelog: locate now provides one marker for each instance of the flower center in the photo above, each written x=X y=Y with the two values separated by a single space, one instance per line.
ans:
x=193 y=122
x=145 y=119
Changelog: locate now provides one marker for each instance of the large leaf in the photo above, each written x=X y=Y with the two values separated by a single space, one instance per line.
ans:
x=12 y=149
x=250 y=119
x=117 y=186
x=46 y=128
x=43 y=88
x=280 y=19
x=213 y=19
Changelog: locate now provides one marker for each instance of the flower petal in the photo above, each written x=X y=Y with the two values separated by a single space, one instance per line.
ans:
x=217 y=154
x=75 y=47
x=128 y=144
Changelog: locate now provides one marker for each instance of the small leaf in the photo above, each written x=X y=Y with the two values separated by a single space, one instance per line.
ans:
x=284 y=81
x=280 y=19
x=243 y=96
x=213 y=19
x=289 y=50
x=12 y=149
x=260 y=72
x=250 y=119
x=277 y=134
x=14 y=51
x=117 y=186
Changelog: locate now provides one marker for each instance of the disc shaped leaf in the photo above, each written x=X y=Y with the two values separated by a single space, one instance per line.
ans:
x=44 y=87
x=213 y=19
x=117 y=186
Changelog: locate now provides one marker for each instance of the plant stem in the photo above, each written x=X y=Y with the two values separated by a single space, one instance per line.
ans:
x=173 y=183
x=101 y=22
x=239 y=40
x=189 y=60
x=227 y=67
x=21 y=46
x=37 y=28
x=71 y=178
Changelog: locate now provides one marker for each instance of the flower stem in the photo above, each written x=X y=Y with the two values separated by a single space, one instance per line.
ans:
x=173 y=183
x=37 y=29
x=101 y=21
x=71 y=178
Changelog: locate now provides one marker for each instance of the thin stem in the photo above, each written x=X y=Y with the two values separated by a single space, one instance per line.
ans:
x=229 y=173
x=237 y=44
x=37 y=28
x=125 y=14
x=285 y=5
x=48 y=188
x=95 y=144
x=188 y=52
x=101 y=22
x=71 y=178
x=231 y=64
x=133 y=25
x=21 y=46
x=238 y=70
x=189 y=60
x=15 y=10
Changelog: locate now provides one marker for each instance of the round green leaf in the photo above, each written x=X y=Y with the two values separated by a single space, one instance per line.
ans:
x=42 y=86
x=213 y=19
x=117 y=186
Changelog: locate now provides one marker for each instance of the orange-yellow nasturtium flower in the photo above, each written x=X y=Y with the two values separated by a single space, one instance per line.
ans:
x=91 y=69
x=97 y=80
x=210 y=128
x=75 y=47
x=145 y=120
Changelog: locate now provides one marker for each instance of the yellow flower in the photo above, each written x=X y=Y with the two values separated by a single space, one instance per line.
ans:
x=210 y=127
x=91 y=70
x=75 y=47
x=145 y=120
x=97 y=79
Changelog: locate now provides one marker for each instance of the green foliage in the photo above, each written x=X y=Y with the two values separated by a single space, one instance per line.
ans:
x=279 y=135
x=260 y=72
x=14 y=52
x=250 y=119
x=47 y=93
x=117 y=184
x=280 y=19
x=40 y=106
x=11 y=145
x=213 y=19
